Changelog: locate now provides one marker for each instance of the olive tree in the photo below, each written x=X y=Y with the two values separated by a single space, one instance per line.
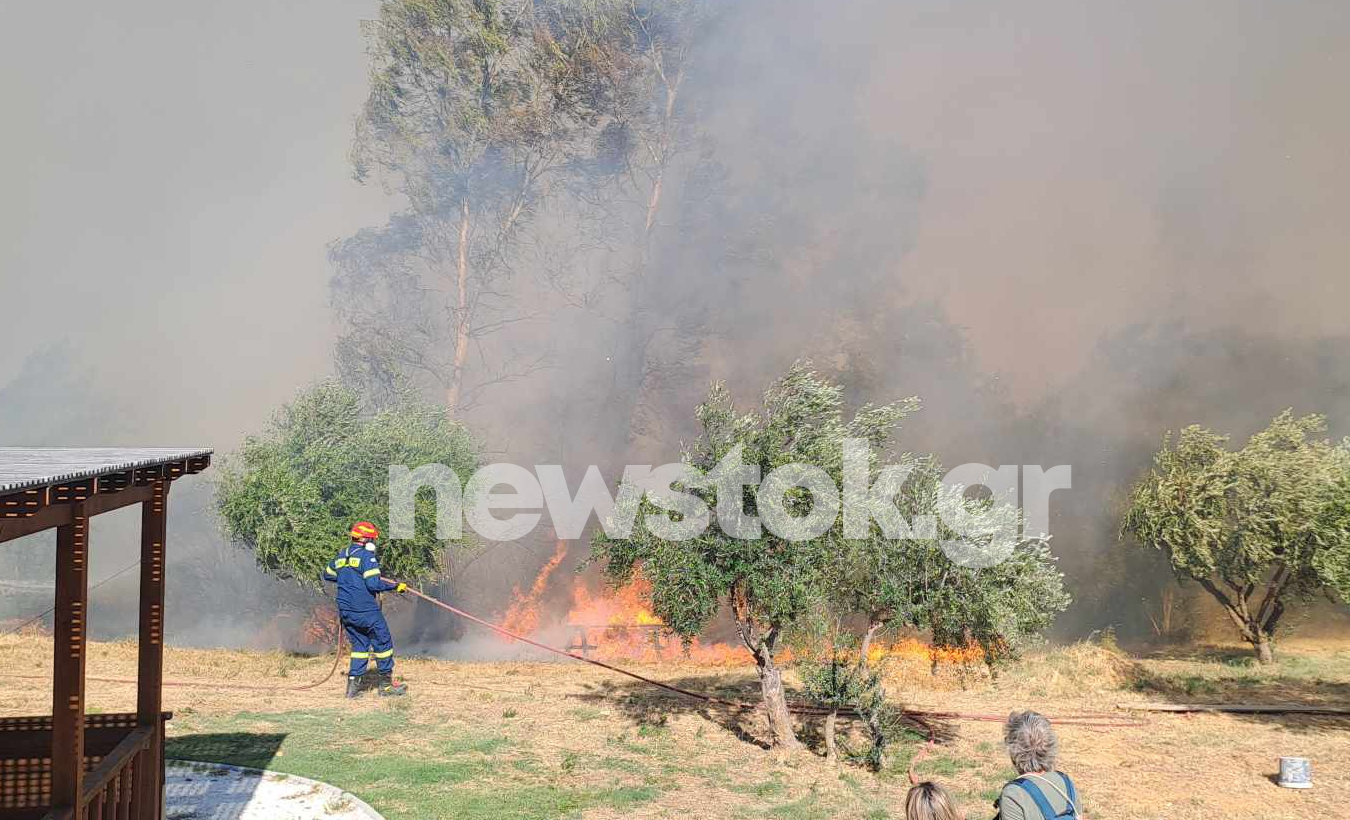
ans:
x=974 y=577
x=292 y=492
x=1254 y=526
x=769 y=582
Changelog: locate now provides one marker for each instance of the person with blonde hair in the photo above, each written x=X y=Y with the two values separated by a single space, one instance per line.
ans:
x=929 y=801
x=1040 y=792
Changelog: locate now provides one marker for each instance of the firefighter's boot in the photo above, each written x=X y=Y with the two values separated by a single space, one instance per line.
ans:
x=354 y=687
x=388 y=689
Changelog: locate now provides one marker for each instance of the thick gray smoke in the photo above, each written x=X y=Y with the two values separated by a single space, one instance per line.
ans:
x=1068 y=227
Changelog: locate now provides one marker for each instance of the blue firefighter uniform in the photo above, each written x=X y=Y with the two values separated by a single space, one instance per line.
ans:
x=356 y=571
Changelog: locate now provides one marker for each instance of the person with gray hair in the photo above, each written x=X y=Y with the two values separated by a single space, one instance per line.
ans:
x=1040 y=792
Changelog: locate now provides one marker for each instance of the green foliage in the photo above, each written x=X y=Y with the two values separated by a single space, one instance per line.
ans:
x=292 y=492
x=839 y=681
x=1252 y=526
x=913 y=582
x=769 y=582
x=845 y=682
x=1000 y=608
x=773 y=584
x=463 y=90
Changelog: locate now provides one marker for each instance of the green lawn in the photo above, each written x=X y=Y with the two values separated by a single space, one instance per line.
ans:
x=408 y=769
x=419 y=769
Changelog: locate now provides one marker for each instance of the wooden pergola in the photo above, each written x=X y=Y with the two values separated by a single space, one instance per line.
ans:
x=69 y=765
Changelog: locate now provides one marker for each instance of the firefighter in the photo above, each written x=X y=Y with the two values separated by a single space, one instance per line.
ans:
x=356 y=571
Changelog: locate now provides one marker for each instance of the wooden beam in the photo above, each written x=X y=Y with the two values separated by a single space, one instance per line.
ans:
x=45 y=519
x=69 y=632
x=23 y=503
x=58 y=515
x=150 y=668
x=104 y=503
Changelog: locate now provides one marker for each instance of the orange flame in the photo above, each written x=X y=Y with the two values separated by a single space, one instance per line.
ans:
x=318 y=627
x=522 y=616
x=618 y=624
x=915 y=649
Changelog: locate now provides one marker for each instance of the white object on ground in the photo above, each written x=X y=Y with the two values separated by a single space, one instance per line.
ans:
x=1295 y=773
x=215 y=791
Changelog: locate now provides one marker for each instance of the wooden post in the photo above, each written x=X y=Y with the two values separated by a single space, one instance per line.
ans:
x=150 y=671
x=72 y=610
x=582 y=643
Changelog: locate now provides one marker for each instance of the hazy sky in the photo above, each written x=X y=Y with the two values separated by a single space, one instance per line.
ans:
x=172 y=173
x=1091 y=164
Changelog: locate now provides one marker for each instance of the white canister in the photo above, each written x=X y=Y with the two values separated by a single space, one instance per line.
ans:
x=1295 y=773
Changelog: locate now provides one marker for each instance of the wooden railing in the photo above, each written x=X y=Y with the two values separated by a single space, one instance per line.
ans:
x=123 y=778
x=119 y=786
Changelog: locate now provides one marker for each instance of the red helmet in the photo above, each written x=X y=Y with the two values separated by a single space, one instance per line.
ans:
x=365 y=530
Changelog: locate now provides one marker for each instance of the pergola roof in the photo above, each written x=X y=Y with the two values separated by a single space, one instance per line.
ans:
x=45 y=487
x=27 y=468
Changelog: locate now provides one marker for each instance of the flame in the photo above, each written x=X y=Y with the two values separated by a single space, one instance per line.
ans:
x=522 y=616
x=627 y=606
x=317 y=630
x=618 y=624
x=915 y=649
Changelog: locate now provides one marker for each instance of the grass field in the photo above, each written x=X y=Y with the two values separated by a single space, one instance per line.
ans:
x=544 y=740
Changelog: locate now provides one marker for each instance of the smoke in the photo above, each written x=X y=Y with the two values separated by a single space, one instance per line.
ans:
x=1069 y=227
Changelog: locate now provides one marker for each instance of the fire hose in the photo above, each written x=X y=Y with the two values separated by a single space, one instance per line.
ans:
x=919 y=716
x=1084 y=719
x=187 y=684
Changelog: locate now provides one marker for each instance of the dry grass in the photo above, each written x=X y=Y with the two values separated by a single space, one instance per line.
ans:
x=535 y=740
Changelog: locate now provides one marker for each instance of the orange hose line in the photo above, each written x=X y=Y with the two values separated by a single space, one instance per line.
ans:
x=332 y=670
x=1092 y=720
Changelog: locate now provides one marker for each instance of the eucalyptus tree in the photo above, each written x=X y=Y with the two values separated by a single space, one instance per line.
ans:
x=1253 y=527
x=650 y=154
x=478 y=111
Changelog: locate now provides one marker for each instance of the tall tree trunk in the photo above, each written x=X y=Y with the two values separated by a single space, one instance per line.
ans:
x=632 y=347
x=462 y=317
x=775 y=700
x=653 y=204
